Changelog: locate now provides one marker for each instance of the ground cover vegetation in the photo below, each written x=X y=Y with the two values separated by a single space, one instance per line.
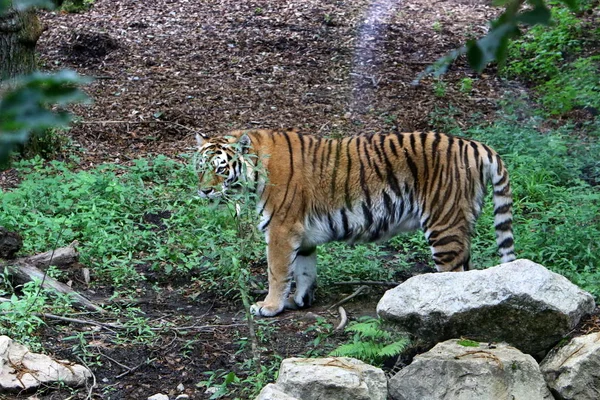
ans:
x=142 y=230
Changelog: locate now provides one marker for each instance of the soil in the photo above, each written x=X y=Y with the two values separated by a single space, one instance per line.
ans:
x=166 y=69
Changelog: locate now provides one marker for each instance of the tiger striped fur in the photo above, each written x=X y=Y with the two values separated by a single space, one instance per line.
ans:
x=357 y=189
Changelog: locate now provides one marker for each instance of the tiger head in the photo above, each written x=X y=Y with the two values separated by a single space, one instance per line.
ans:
x=220 y=164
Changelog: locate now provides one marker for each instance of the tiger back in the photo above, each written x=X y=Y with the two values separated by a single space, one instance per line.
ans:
x=314 y=190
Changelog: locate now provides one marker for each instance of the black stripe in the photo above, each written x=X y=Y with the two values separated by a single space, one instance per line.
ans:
x=508 y=242
x=412 y=166
x=392 y=146
x=347 y=196
x=302 y=152
x=335 y=167
x=367 y=214
x=503 y=209
x=447 y=240
x=289 y=142
x=345 y=225
x=412 y=142
x=504 y=226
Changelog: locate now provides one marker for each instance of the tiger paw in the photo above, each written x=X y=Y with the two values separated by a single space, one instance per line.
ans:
x=262 y=309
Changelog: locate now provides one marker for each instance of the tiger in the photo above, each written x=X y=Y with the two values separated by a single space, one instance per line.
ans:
x=312 y=190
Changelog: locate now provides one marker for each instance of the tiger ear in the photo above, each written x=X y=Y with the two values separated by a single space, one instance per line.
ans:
x=200 y=139
x=244 y=143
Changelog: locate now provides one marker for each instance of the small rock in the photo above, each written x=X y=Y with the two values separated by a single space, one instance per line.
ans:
x=182 y=397
x=159 y=396
x=22 y=370
x=180 y=387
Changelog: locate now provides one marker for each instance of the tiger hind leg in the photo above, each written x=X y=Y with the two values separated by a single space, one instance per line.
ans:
x=450 y=249
x=305 y=275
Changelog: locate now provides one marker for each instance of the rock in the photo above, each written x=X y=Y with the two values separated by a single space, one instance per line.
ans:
x=521 y=303
x=159 y=396
x=273 y=392
x=573 y=371
x=331 y=378
x=182 y=397
x=451 y=371
x=21 y=370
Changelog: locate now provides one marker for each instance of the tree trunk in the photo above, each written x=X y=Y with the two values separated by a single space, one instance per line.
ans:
x=19 y=33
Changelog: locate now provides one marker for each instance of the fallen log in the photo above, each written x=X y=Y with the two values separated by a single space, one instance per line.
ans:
x=27 y=269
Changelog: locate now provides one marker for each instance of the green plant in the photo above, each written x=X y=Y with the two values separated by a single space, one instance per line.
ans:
x=466 y=85
x=468 y=343
x=19 y=317
x=439 y=88
x=437 y=26
x=576 y=85
x=76 y=6
x=539 y=54
x=371 y=342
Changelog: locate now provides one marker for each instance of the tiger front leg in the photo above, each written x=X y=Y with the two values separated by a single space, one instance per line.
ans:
x=305 y=275
x=280 y=258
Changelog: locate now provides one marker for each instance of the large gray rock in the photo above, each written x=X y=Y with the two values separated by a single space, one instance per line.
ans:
x=21 y=370
x=573 y=372
x=451 y=371
x=331 y=378
x=273 y=392
x=521 y=303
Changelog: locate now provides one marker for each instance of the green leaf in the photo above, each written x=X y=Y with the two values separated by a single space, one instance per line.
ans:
x=572 y=4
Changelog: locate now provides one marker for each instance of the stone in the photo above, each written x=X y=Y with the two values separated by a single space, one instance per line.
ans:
x=159 y=396
x=22 y=370
x=452 y=371
x=520 y=302
x=331 y=378
x=274 y=392
x=573 y=371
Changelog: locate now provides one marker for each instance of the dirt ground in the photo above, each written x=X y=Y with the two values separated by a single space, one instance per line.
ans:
x=165 y=69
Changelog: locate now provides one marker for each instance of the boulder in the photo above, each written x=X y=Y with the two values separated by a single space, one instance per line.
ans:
x=331 y=378
x=573 y=371
x=274 y=392
x=452 y=371
x=520 y=302
x=21 y=370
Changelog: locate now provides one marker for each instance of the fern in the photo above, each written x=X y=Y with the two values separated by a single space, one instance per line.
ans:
x=371 y=342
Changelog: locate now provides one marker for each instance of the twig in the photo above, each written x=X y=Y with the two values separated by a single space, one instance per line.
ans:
x=94 y=383
x=134 y=368
x=343 y=319
x=113 y=360
x=346 y=299
x=368 y=283
x=106 y=326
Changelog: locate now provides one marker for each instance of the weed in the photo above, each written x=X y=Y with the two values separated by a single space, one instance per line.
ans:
x=437 y=26
x=76 y=6
x=540 y=53
x=466 y=85
x=577 y=85
x=439 y=88
x=468 y=343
